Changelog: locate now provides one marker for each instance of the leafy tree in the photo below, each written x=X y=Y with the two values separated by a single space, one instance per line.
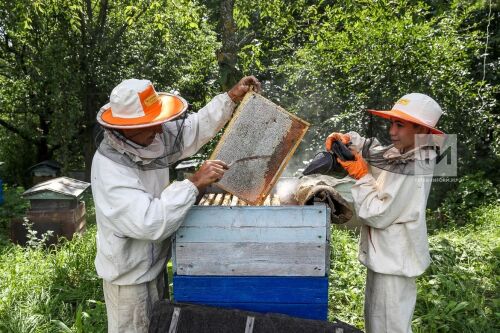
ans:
x=61 y=58
x=330 y=61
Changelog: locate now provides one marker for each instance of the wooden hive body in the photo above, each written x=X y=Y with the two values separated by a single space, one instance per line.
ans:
x=256 y=258
x=54 y=206
x=254 y=241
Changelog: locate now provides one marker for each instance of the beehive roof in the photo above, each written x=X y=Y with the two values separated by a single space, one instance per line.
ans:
x=63 y=186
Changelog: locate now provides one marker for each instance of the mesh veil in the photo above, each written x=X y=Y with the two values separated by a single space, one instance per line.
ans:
x=418 y=161
x=165 y=150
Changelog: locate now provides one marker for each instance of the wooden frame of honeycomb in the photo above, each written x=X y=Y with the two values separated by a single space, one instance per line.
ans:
x=262 y=137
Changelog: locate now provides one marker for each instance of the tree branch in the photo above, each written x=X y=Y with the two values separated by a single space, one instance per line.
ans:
x=89 y=10
x=17 y=131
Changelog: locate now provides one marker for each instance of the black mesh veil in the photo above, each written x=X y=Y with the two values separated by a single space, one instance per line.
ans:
x=418 y=161
x=165 y=149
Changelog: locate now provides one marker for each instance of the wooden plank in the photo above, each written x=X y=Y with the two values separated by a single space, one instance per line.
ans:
x=188 y=234
x=251 y=289
x=226 y=201
x=218 y=199
x=174 y=254
x=275 y=200
x=203 y=200
x=328 y=231
x=305 y=311
x=299 y=216
x=234 y=201
x=210 y=199
x=257 y=259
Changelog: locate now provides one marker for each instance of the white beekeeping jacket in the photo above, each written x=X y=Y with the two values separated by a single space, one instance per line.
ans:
x=137 y=211
x=392 y=209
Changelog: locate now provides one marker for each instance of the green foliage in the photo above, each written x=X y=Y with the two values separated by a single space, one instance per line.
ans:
x=347 y=279
x=52 y=289
x=330 y=61
x=472 y=191
x=60 y=60
x=458 y=292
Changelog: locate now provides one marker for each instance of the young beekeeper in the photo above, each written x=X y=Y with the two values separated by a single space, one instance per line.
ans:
x=390 y=197
x=137 y=210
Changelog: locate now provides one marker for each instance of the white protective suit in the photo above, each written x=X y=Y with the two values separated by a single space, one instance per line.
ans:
x=137 y=211
x=393 y=242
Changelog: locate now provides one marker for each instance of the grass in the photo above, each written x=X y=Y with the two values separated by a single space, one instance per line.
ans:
x=50 y=289
x=458 y=292
x=56 y=289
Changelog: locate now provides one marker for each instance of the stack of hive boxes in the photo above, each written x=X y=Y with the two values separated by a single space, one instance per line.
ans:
x=257 y=258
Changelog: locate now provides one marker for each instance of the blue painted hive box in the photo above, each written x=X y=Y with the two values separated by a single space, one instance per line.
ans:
x=256 y=258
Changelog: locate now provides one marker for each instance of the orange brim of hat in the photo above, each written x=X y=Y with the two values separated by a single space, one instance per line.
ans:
x=403 y=116
x=172 y=107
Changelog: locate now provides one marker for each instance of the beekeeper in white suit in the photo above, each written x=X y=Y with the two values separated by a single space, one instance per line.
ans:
x=390 y=197
x=137 y=210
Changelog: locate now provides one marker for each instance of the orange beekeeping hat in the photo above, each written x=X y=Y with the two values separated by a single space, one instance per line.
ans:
x=416 y=108
x=135 y=104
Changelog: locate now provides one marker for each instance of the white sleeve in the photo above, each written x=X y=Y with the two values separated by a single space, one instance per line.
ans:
x=129 y=210
x=203 y=125
x=380 y=208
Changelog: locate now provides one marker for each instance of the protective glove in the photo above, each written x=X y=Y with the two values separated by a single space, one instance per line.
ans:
x=344 y=138
x=357 y=168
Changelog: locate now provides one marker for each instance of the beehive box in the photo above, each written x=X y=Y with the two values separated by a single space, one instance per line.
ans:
x=54 y=206
x=62 y=222
x=303 y=297
x=258 y=143
x=258 y=241
x=259 y=258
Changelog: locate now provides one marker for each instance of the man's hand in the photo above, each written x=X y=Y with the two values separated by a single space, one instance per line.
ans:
x=357 y=168
x=209 y=172
x=241 y=88
x=344 y=138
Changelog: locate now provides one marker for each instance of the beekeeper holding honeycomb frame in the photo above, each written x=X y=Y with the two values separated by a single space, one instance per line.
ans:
x=142 y=133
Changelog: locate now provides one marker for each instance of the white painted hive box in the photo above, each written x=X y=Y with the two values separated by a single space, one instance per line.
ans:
x=254 y=241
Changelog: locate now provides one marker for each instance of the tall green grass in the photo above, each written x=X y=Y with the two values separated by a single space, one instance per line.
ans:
x=56 y=289
x=459 y=292
x=42 y=288
x=52 y=289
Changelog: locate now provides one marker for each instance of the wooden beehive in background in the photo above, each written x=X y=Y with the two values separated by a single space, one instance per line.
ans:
x=54 y=205
x=265 y=132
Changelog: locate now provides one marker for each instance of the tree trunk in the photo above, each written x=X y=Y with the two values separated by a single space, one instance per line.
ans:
x=91 y=105
x=227 y=56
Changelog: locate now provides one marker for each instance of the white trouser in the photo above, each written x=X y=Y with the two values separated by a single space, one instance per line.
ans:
x=389 y=303
x=129 y=307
